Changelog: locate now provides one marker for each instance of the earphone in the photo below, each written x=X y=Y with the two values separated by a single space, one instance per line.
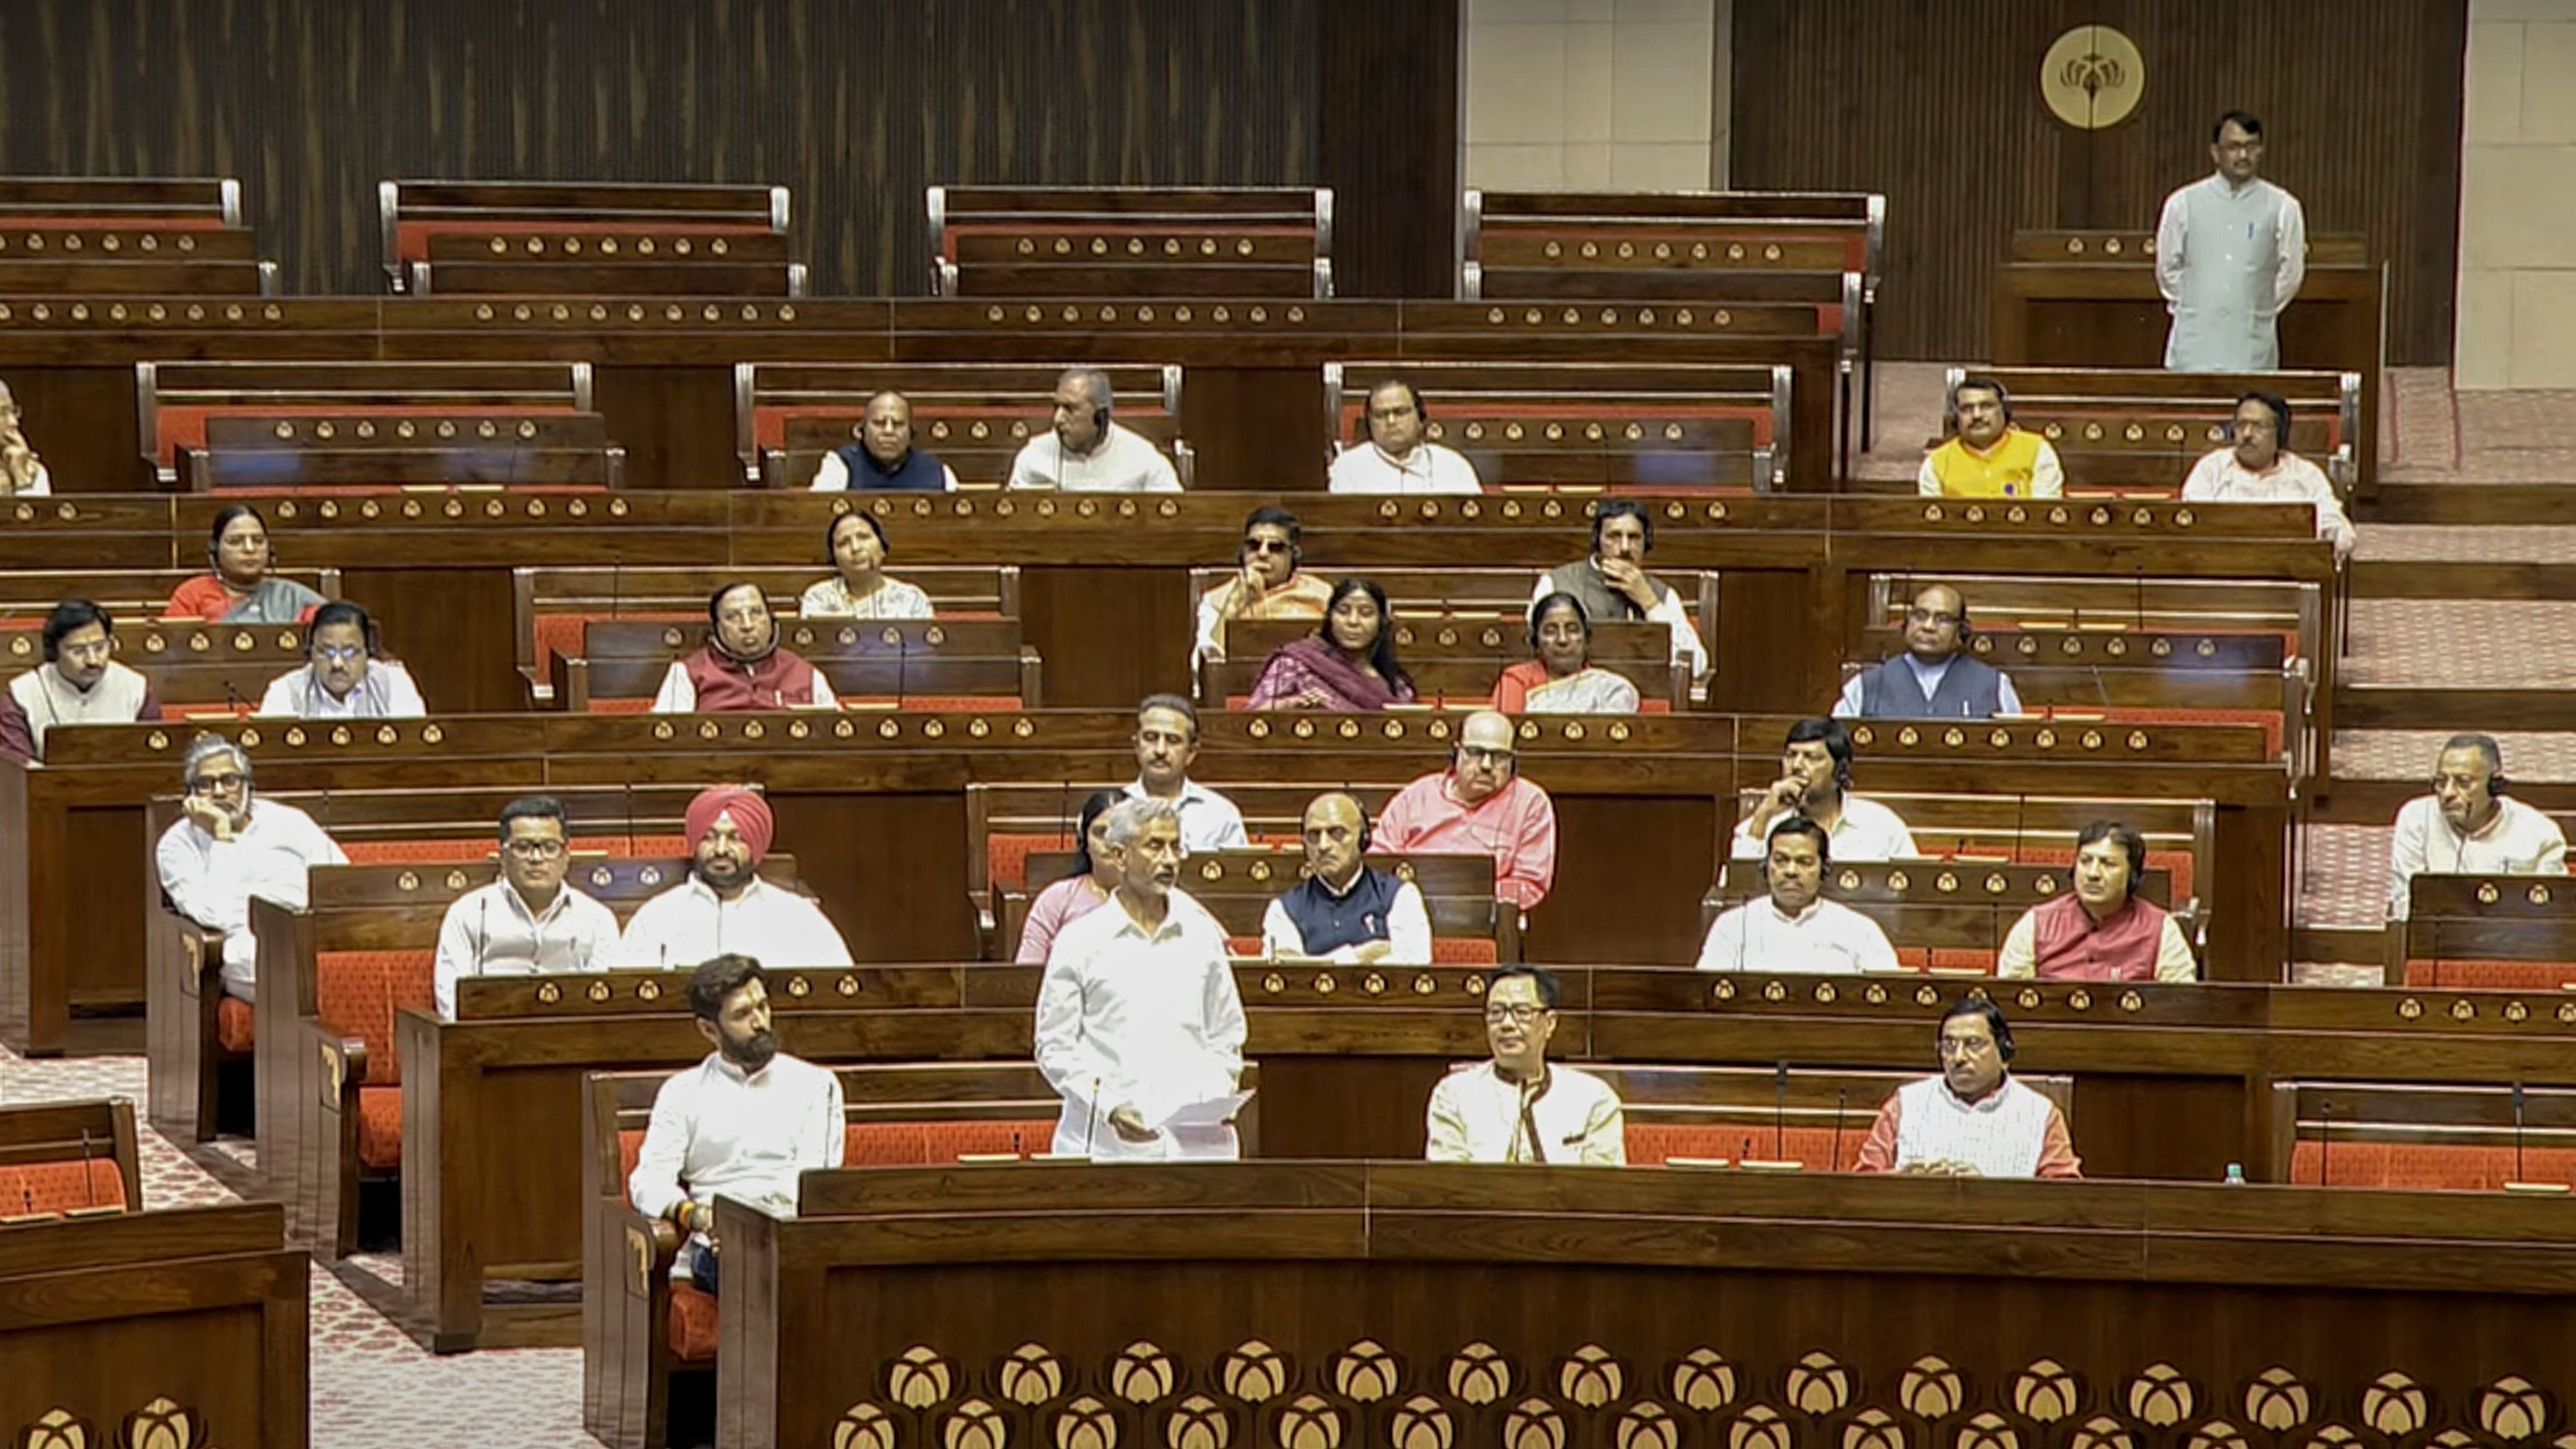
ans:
x=1824 y=846
x=1367 y=432
x=1994 y=1019
x=1368 y=827
x=1978 y=382
x=69 y=615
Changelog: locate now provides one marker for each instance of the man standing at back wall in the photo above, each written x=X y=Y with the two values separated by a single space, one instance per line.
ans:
x=2230 y=253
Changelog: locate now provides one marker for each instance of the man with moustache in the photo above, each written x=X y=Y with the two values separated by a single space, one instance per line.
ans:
x=1268 y=582
x=1086 y=452
x=884 y=459
x=1343 y=911
x=1138 y=1015
x=2102 y=931
x=2231 y=250
x=1972 y=1120
x=2468 y=826
x=230 y=845
x=742 y=666
x=1986 y=456
x=1517 y=1107
x=1794 y=928
x=1480 y=805
x=1815 y=781
x=1613 y=583
x=1935 y=678
x=1167 y=744
x=80 y=682
x=2258 y=467
x=529 y=922
x=724 y=907
x=741 y=1124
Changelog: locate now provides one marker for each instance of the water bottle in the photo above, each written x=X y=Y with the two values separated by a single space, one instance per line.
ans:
x=2235 y=1174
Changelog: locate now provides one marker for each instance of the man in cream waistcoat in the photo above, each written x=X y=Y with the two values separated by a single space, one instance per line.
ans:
x=1973 y=1120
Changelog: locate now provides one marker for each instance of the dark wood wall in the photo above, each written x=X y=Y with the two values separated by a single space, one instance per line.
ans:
x=856 y=104
x=1937 y=104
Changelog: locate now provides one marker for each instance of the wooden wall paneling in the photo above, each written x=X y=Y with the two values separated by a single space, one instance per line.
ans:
x=1390 y=120
x=1938 y=106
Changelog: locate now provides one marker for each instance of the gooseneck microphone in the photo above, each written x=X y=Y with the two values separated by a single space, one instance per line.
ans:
x=1841 y=1096
x=1091 y=1118
x=1780 y=1114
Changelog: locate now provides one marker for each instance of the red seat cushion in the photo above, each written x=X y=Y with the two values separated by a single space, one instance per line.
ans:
x=693 y=1324
x=356 y=994
x=2423 y=1166
x=61 y=1187
x=380 y=1127
x=1654 y=1142
x=1006 y=856
x=1463 y=951
x=477 y=850
x=2491 y=975
x=234 y=1025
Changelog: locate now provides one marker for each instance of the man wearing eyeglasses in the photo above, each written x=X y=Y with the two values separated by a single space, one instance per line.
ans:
x=1973 y=1120
x=1936 y=677
x=1516 y=1107
x=1267 y=584
x=231 y=846
x=1480 y=805
x=529 y=922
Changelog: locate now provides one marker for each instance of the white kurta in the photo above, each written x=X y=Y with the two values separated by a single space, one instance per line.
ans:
x=211 y=881
x=724 y=1133
x=1866 y=830
x=1124 y=463
x=2219 y=478
x=1828 y=938
x=1132 y=1019
x=2228 y=259
x=831 y=599
x=687 y=924
x=489 y=931
x=387 y=692
x=2519 y=841
x=1475 y=1116
x=1429 y=468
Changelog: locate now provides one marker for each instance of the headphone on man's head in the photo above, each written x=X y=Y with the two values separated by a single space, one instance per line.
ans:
x=2493 y=753
x=1994 y=1018
x=1368 y=432
x=1824 y=847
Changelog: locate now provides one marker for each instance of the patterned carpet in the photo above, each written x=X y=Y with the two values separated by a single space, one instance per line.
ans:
x=372 y=1387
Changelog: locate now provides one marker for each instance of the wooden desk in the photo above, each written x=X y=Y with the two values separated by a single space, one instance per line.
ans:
x=1404 y=1302
x=2168 y=1081
x=180 y=1326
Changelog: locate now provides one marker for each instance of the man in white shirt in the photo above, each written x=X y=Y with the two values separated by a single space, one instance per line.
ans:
x=1517 y=1107
x=741 y=1124
x=347 y=677
x=1167 y=743
x=1343 y=911
x=2467 y=826
x=1815 y=781
x=1935 y=678
x=1087 y=452
x=1394 y=456
x=232 y=846
x=1794 y=928
x=724 y=907
x=1138 y=1016
x=2231 y=251
x=1613 y=583
x=2260 y=468
x=529 y=922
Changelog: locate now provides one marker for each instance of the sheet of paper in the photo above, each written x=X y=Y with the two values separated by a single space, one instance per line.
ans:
x=1215 y=1112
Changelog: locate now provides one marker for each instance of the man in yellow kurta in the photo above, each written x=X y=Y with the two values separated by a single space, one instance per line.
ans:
x=1986 y=456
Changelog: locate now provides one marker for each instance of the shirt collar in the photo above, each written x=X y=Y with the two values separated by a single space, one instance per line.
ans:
x=1987 y=1103
x=519 y=905
x=708 y=893
x=1929 y=673
x=725 y=1068
x=1192 y=792
x=1814 y=908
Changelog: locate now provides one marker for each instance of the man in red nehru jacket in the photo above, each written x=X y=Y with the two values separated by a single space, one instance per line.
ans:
x=2100 y=931
x=724 y=907
x=742 y=667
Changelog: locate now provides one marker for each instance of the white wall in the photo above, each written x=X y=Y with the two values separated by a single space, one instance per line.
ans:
x=2517 y=298
x=1595 y=95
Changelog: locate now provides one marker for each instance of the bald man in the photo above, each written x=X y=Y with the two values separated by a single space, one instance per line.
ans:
x=1345 y=912
x=1481 y=806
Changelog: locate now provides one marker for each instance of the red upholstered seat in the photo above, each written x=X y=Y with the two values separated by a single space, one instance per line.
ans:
x=1654 y=1142
x=61 y=1187
x=380 y=1114
x=1956 y=958
x=477 y=850
x=1463 y=951
x=1006 y=856
x=569 y=634
x=356 y=994
x=693 y=1324
x=2491 y=975
x=2175 y=863
x=234 y=1025
x=2427 y=1166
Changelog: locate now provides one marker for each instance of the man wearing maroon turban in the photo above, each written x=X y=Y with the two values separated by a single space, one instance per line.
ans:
x=724 y=907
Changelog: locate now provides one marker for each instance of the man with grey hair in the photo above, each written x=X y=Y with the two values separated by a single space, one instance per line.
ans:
x=2468 y=825
x=230 y=846
x=1138 y=1017
x=1086 y=452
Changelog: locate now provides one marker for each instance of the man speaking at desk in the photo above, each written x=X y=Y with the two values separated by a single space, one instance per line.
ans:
x=1140 y=1029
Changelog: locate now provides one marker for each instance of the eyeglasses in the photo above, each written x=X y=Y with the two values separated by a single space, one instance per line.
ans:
x=1522 y=1012
x=214 y=784
x=1966 y=1046
x=1265 y=545
x=1930 y=616
x=536 y=849
x=341 y=655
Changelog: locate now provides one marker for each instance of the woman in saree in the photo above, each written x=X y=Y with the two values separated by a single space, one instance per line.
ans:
x=1347 y=665
x=242 y=589
x=1563 y=678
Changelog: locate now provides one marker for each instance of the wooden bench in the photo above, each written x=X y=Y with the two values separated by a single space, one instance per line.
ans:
x=1646 y=428
x=1131 y=241
x=111 y=237
x=1940 y=915
x=199 y=1041
x=360 y=452
x=2140 y=430
x=335 y=976
x=640 y=1329
x=553 y=608
x=2089 y=299
x=2414 y=1138
x=1237 y=886
x=177 y=401
x=1454 y=663
x=974 y=416
x=571 y=238
x=2507 y=932
x=1816 y=1121
x=69 y=1159
x=917 y=664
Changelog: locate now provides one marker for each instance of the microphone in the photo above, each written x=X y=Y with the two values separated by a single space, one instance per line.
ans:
x=902 y=658
x=1064 y=813
x=483 y=930
x=1780 y=1114
x=2325 y=1142
x=2100 y=691
x=1091 y=1118
x=1841 y=1096
x=90 y=1184
x=234 y=702
x=629 y=789
x=2517 y=1132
